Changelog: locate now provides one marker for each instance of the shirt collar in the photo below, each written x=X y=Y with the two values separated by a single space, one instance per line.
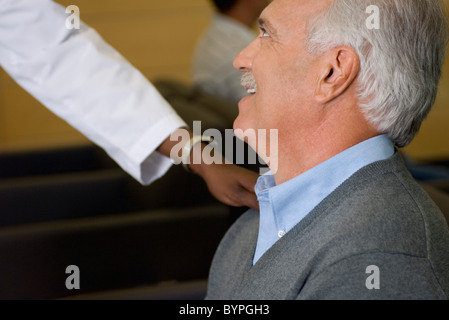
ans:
x=294 y=199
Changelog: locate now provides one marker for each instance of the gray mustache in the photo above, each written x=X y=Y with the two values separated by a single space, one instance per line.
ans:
x=248 y=80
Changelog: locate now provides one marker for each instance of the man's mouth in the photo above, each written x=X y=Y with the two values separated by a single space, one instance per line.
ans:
x=249 y=83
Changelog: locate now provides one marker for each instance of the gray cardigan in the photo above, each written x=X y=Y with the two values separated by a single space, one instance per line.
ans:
x=377 y=236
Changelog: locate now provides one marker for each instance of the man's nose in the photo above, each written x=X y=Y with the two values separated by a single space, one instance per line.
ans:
x=244 y=60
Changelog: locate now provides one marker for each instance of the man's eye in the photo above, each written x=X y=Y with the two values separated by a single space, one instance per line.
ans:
x=264 y=33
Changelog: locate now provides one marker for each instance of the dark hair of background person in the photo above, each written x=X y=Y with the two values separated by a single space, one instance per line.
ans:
x=224 y=5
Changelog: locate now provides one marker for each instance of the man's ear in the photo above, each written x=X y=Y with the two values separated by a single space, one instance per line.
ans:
x=338 y=70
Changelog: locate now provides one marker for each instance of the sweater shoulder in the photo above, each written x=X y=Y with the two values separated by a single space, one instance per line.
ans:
x=384 y=201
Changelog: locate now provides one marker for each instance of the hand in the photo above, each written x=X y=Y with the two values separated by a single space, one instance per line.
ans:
x=230 y=184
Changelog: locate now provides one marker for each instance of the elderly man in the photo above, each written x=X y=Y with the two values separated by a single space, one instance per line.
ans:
x=341 y=218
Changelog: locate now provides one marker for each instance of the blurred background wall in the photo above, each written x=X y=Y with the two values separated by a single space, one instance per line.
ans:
x=158 y=37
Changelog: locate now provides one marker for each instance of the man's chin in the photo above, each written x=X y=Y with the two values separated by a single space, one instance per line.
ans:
x=236 y=127
x=245 y=99
x=244 y=133
x=244 y=106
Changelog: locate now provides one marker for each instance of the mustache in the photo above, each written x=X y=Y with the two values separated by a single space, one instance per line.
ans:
x=248 y=80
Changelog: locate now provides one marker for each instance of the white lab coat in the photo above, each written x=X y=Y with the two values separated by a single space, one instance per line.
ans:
x=86 y=82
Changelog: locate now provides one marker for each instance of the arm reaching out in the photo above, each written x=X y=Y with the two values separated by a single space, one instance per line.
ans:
x=86 y=82
x=228 y=183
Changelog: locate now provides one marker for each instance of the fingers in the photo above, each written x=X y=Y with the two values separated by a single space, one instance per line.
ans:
x=242 y=197
x=249 y=199
x=250 y=183
x=232 y=185
x=248 y=196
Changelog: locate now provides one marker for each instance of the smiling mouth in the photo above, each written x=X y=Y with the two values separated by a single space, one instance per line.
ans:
x=249 y=83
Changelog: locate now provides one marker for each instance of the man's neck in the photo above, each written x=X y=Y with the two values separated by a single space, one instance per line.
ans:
x=295 y=159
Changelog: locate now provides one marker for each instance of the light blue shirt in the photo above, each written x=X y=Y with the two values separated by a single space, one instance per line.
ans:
x=284 y=206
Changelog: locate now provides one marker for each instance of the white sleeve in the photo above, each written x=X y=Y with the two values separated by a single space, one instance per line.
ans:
x=87 y=83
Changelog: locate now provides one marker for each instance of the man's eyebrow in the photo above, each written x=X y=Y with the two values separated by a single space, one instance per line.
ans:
x=266 y=25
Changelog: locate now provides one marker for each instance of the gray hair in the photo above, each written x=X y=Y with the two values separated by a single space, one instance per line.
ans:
x=400 y=62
